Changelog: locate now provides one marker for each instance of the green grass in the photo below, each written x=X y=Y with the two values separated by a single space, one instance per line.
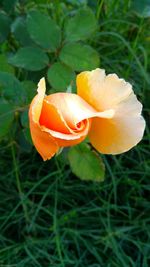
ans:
x=48 y=217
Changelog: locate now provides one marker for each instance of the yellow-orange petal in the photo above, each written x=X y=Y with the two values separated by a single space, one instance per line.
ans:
x=125 y=128
x=102 y=91
x=75 y=109
x=52 y=119
x=72 y=108
x=115 y=136
x=64 y=140
x=67 y=117
x=43 y=141
x=63 y=115
x=37 y=104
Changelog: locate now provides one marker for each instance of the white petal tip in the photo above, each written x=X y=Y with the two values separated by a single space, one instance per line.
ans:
x=41 y=85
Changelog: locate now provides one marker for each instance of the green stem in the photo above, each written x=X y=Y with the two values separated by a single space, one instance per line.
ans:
x=99 y=9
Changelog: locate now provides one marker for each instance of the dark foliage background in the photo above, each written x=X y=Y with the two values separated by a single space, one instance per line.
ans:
x=48 y=216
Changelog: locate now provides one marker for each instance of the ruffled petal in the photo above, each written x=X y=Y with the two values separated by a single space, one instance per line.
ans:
x=122 y=132
x=74 y=109
x=101 y=91
x=52 y=119
x=43 y=141
x=67 y=117
x=37 y=105
x=64 y=140
x=63 y=116
x=125 y=128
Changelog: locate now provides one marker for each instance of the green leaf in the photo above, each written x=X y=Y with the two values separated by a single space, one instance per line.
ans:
x=4 y=26
x=24 y=143
x=6 y=117
x=11 y=88
x=85 y=163
x=30 y=58
x=9 y=5
x=79 y=57
x=16 y=92
x=60 y=76
x=30 y=90
x=142 y=8
x=81 y=26
x=27 y=135
x=43 y=30
x=4 y=66
x=17 y=28
x=25 y=119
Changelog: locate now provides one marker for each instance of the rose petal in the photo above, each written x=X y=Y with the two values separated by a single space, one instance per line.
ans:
x=43 y=141
x=52 y=119
x=101 y=91
x=74 y=109
x=115 y=136
x=68 y=117
x=64 y=140
x=63 y=116
x=37 y=105
x=126 y=127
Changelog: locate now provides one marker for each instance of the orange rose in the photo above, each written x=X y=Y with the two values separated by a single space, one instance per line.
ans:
x=59 y=120
x=105 y=107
